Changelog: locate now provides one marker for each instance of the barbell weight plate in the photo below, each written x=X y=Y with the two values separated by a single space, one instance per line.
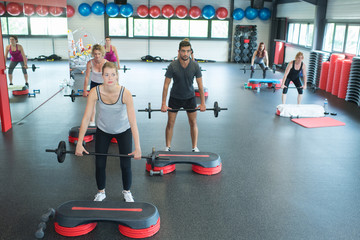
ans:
x=216 y=109
x=61 y=152
x=149 y=110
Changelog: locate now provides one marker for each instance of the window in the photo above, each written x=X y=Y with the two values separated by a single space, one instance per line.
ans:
x=141 y=27
x=310 y=35
x=339 y=38
x=296 y=33
x=159 y=27
x=290 y=32
x=179 y=28
x=219 y=29
x=18 y=25
x=199 y=28
x=303 y=34
x=4 y=25
x=329 y=33
x=352 y=39
x=48 y=26
x=117 y=26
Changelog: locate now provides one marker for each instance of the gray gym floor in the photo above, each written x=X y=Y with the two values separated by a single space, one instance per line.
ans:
x=278 y=179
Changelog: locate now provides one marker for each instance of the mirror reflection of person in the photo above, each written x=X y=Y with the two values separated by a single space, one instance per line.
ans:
x=182 y=94
x=292 y=74
x=17 y=56
x=258 y=58
x=116 y=116
x=93 y=73
x=111 y=53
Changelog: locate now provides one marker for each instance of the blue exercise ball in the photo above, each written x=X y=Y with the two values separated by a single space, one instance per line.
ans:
x=126 y=10
x=238 y=14
x=264 y=14
x=84 y=9
x=98 y=8
x=208 y=12
x=112 y=9
x=251 y=13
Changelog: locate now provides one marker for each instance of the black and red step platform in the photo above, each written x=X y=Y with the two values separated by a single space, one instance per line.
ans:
x=205 y=163
x=89 y=135
x=197 y=93
x=19 y=90
x=135 y=219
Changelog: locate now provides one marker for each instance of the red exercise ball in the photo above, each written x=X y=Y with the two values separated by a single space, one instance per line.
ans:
x=221 y=13
x=56 y=11
x=2 y=9
x=28 y=9
x=42 y=11
x=142 y=11
x=154 y=11
x=70 y=11
x=181 y=11
x=14 y=9
x=195 y=12
x=168 y=11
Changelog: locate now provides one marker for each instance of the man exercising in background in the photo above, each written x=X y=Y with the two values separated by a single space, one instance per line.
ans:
x=182 y=94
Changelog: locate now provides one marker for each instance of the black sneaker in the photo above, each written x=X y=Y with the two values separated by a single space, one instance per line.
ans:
x=27 y=84
x=11 y=84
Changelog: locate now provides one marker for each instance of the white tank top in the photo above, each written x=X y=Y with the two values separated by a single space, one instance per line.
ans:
x=96 y=76
x=112 y=118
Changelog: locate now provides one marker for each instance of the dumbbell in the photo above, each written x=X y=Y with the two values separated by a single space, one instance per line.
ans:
x=33 y=94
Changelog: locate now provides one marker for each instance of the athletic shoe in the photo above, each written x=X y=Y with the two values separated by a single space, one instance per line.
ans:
x=92 y=124
x=11 y=84
x=128 y=196
x=27 y=84
x=195 y=149
x=100 y=196
x=167 y=149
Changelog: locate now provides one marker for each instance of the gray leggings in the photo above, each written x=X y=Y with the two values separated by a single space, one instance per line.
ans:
x=13 y=65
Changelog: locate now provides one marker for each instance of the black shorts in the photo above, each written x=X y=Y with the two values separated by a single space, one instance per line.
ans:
x=176 y=103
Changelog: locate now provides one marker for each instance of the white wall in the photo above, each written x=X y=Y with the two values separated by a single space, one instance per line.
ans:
x=344 y=9
x=299 y=10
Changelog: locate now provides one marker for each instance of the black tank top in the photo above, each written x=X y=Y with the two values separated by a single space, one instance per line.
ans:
x=293 y=73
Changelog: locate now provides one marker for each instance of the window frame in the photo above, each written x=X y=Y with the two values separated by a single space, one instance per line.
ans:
x=296 y=42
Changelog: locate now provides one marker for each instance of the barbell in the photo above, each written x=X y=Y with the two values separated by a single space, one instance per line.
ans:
x=33 y=67
x=61 y=152
x=125 y=68
x=312 y=88
x=216 y=109
x=200 y=69
x=273 y=68
x=74 y=95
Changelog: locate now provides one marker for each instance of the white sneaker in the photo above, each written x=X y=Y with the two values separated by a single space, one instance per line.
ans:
x=92 y=124
x=128 y=196
x=195 y=149
x=100 y=196
x=167 y=149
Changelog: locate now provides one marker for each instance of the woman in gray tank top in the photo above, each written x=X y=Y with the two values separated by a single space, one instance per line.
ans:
x=116 y=119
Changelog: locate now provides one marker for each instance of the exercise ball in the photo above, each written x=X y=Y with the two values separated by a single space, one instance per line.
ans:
x=264 y=14
x=181 y=11
x=2 y=9
x=98 y=8
x=195 y=12
x=28 y=9
x=142 y=11
x=112 y=9
x=14 y=9
x=42 y=11
x=168 y=11
x=221 y=13
x=251 y=13
x=154 y=11
x=84 y=9
x=70 y=11
x=208 y=12
x=56 y=11
x=238 y=14
x=126 y=10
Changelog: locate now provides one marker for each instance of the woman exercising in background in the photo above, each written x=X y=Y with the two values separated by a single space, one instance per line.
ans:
x=111 y=53
x=258 y=58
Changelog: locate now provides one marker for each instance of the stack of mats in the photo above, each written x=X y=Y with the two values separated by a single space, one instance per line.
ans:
x=353 y=89
x=315 y=66
x=324 y=75
x=333 y=58
x=344 y=79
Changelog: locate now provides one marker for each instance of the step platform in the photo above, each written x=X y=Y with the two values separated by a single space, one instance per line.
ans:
x=197 y=93
x=255 y=83
x=19 y=90
x=205 y=163
x=89 y=135
x=135 y=219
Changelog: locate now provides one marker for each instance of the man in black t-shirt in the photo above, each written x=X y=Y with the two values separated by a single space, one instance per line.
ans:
x=182 y=94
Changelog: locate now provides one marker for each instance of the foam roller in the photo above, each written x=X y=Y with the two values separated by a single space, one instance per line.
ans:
x=337 y=75
x=330 y=79
x=324 y=75
x=344 y=79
